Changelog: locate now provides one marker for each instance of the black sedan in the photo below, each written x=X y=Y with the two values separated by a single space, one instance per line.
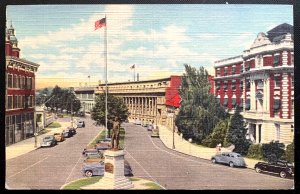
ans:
x=72 y=130
x=283 y=168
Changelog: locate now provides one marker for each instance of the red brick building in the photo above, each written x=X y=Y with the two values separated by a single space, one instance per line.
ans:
x=19 y=93
x=261 y=81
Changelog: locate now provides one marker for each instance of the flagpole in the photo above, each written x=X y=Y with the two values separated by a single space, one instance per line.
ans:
x=134 y=72
x=105 y=61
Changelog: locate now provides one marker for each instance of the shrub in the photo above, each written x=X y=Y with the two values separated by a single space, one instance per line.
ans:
x=255 y=151
x=290 y=152
x=272 y=151
x=217 y=136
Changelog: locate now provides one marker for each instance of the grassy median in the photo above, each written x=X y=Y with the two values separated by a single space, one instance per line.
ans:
x=54 y=125
x=101 y=136
x=88 y=181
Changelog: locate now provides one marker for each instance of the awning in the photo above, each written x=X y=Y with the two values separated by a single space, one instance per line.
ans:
x=233 y=101
x=276 y=104
x=247 y=104
x=225 y=101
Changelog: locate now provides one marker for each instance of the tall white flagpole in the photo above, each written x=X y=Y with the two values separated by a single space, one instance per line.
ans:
x=105 y=61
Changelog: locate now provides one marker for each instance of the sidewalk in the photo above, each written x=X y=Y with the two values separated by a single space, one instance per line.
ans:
x=27 y=145
x=183 y=146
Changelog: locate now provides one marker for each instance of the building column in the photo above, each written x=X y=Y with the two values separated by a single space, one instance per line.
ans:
x=152 y=112
x=265 y=98
x=252 y=95
x=143 y=106
x=256 y=134
x=285 y=95
x=149 y=107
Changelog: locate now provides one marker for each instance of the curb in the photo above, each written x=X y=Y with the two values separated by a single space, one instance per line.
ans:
x=193 y=155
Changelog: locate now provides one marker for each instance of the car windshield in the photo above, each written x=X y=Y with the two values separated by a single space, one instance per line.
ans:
x=47 y=138
x=238 y=155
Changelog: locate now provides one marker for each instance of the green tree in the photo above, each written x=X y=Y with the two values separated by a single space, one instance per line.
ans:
x=217 y=136
x=63 y=99
x=115 y=108
x=199 y=110
x=273 y=151
x=236 y=133
x=290 y=152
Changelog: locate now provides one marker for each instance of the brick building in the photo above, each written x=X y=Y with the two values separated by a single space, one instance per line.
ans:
x=261 y=82
x=19 y=93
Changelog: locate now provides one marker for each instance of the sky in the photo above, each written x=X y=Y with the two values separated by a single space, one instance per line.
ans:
x=158 y=38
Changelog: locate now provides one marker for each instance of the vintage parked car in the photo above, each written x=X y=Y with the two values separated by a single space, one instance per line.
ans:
x=91 y=151
x=106 y=140
x=48 y=141
x=81 y=124
x=150 y=127
x=59 y=137
x=101 y=146
x=230 y=158
x=94 y=158
x=138 y=122
x=281 y=167
x=67 y=133
x=72 y=130
x=97 y=169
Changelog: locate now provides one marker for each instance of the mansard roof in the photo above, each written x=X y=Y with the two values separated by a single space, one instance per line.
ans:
x=280 y=30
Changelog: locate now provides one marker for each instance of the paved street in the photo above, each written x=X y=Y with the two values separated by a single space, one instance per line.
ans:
x=150 y=159
x=50 y=168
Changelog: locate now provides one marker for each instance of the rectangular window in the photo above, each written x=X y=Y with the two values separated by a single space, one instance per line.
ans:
x=233 y=84
x=90 y=96
x=292 y=59
x=233 y=69
x=15 y=81
x=217 y=85
x=292 y=80
x=225 y=85
x=225 y=71
x=9 y=102
x=20 y=102
x=218 y=72
x=277 y=82
x=276 y=60
x=241 y=69
x=9 y=81
x=241 y=85
x=248 y=84
x=247 y=66
x=23 y=101
x=15 y=100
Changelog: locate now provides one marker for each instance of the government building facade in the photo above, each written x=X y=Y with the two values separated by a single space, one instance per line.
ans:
x=261 y=82
x=19 y=93
x=152 y=101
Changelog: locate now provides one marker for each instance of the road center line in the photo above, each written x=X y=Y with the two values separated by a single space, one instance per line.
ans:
x=28 y=167
x=73 y=169
x=144 y=170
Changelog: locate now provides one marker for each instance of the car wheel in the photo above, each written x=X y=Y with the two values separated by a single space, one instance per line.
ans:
x=231 y=164
x=257 y=169
x=213 y=161
x=88 y=173
x=282 y=174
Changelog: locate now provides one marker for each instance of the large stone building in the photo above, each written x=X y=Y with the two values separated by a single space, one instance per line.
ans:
x=86 y=95
x=19 y=93
x=261 y=81
x=148 y=101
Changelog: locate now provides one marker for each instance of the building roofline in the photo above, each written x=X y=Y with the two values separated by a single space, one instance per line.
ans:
x=145 y=81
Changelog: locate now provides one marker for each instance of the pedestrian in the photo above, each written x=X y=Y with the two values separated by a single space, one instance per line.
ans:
x=218 y=148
